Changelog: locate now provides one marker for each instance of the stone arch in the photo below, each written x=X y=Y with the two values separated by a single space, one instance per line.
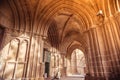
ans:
x=69 y=54
x=78 y=62
x=45 y=22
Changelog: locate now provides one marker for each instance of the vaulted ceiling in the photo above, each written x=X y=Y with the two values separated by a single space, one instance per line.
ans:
x=62 y=21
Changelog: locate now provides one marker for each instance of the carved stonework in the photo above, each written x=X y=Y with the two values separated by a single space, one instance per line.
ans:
x=60 y=26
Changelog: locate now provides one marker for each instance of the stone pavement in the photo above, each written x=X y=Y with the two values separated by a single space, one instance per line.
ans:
x=73 y=77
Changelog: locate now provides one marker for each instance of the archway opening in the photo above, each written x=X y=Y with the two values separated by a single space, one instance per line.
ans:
x=77 y=63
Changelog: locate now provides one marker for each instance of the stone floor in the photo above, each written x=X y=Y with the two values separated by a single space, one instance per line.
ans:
x=73 y=77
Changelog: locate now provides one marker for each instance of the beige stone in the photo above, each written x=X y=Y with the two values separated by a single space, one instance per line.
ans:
x=45 y=36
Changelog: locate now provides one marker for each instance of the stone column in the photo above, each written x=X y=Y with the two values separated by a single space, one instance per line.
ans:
x=118 y=5
x=88 y=54
x=65 y=65
x=68 y=66
x=42 y=64
x=104 y=51
x=74 y=63
x=38 y=51
x=33 y=56
x=112 y=47
x=52 y=65
x=61 y=65
x=56 y=63
x=102 y=54
x=109 y=8
x=94 y=52
x=91 y=54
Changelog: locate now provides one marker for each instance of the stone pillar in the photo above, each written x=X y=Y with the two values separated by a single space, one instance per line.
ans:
x=52 y=65
x=55 y=62
x=112 y=46
x=35 y=58
x=38 y=57
x=109 y=8
x=76 y=66
x=118 y=5
x=61 y=65
x=103 y=55
x=103 y=51
x=41 y=58
x=88 y=54
x=94 y=53
x=68 y=66
x=56 y=58
x=65 y=65
x=74 y=62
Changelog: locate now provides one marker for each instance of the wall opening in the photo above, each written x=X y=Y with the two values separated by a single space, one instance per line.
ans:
x=46 y=59
x=76 y=64
x=2 y=30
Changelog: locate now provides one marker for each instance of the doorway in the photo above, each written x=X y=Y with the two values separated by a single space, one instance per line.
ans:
x=46 y=59
x=47 y=68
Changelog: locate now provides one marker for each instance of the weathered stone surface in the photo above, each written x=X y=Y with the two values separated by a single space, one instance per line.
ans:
x=39 y=37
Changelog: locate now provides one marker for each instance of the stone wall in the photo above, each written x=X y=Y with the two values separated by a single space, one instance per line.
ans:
x=21 y=55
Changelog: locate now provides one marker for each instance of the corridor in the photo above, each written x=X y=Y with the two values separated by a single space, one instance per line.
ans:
x=49 y=38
